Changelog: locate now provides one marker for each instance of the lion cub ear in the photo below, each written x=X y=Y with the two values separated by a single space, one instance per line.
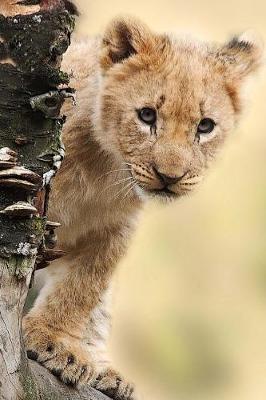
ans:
x=241 y=56
x=124 y=38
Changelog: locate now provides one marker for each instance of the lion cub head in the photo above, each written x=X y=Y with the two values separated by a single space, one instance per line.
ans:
x=167 y=104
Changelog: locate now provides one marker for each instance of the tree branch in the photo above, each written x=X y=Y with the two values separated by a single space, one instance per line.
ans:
x=48 y=385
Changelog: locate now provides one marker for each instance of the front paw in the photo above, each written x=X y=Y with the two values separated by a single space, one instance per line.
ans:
x=113 y=385
x=64 y=356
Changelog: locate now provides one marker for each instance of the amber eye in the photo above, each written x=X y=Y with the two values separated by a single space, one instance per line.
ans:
x=147 y=115
x=206 y=126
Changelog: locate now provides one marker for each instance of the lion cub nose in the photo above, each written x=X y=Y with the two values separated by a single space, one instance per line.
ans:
x=166 y=179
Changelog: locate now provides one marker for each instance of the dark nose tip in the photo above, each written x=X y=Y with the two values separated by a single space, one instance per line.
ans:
x=168 y=180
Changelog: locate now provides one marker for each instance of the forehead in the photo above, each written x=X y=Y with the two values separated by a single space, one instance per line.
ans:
x=180 y=78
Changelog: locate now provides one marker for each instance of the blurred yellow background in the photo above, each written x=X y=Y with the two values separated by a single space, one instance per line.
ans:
x=190 y=298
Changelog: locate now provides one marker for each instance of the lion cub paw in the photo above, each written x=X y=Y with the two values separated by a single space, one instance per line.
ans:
x=110 y=383
x=65 y=357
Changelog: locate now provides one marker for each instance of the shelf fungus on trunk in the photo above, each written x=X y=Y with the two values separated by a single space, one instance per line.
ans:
x=20 y=209
x=8 y=158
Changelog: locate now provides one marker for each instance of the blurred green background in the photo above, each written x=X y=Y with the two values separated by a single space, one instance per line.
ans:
x=190 y=298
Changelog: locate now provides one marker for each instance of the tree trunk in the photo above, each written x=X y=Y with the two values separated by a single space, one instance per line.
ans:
x=34 y=34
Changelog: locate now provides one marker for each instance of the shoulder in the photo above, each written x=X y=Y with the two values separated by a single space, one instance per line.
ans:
x=81 y=60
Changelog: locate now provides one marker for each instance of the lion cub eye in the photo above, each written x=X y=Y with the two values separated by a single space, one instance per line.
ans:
x=147 y=115
x=206 y=126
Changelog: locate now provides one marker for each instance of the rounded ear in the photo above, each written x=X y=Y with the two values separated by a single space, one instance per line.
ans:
x=123 y=38
x=242 y=55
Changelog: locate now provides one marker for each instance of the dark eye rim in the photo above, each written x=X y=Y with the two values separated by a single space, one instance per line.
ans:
x=140 y=115
x=208 y=129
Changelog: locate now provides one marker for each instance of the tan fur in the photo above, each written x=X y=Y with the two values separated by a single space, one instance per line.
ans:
x=109 y=169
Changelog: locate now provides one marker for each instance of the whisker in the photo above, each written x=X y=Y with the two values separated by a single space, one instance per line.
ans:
x=130 y=189
x=121 y=190
x=110 y=172
x=116 y=183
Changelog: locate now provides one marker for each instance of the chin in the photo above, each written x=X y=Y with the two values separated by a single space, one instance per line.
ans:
x=163 y=196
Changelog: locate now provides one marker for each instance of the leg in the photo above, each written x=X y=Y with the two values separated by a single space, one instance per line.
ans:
x=108 y=381
x=53 y=329
x=67 y=328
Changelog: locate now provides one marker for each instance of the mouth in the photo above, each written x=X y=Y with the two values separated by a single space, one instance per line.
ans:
x=147 y=186
x=165 y=193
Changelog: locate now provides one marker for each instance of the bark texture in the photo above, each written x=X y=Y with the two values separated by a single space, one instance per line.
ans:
x=32 y=91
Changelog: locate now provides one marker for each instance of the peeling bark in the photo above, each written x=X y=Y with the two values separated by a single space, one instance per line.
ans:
x=32 y=92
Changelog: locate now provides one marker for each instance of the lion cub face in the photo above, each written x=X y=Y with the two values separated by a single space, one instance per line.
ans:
x=168 y=104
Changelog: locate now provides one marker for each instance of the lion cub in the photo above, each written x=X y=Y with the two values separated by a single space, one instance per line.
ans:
x=152 y=112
